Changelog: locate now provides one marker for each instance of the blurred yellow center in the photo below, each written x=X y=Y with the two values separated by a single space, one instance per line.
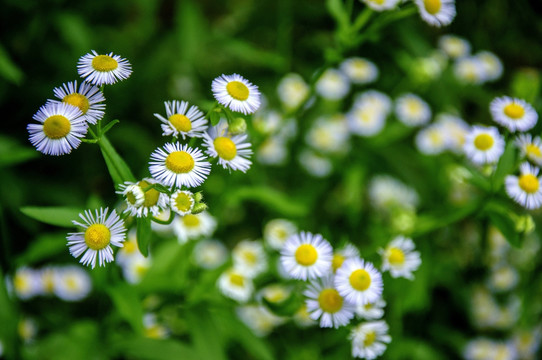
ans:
x=337 y=262
x=533 y=150
x=56 y=127
x=379 y=2
x=529 y=183
x=250 y=257
x=151 y=195
x=180 y=162
x=396 y=256
x=190 y=220
x=237 y=279
x=20 y=282
x=370 y=338
x=183 y=202
x=330 y=301
x=129 y=247
x=483 y=142
x=97 y=236
x=414 y=107
x=360 y=280
x=432 y=6
x=104 y=63
x=306 y=255
x=225 y=148
x=514 y=111
x=71 y=283
x=78 y=100
x=180 y=122
x=237 y=90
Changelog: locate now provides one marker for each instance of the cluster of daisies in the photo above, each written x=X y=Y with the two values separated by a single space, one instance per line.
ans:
x=434 y=12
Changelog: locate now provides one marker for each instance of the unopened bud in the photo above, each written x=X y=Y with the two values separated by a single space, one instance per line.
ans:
x=198 y=208
x=238 y=126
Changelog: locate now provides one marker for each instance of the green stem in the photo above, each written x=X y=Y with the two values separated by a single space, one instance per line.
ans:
x=167 y=222
x=118 y=169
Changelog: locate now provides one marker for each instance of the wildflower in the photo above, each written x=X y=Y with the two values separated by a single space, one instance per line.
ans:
x=372 y=310
x=527 y=342
x=431 y=140
x=272 y=151
x=381 y=5
x=182 y=202
x=359 y=282
x=360 y=70
x=235 y=285
x=26 y=283
x=141 y=199
x=470 y=70
x=302 y=317
x=332 y=85
x=367 y=116
x=512 y=113
x=436 y=12
x=292 y=90
x=181 y=120
x=177 y=165
x=71 y=283
x=265 y=122
x=277 y=231
x=369 y=339
x=275 y=293
x=193 y=226
x=134 y=269
x=87 y=98
x=152 y=329
x=130 y=250
x=386 y=192
x=347 y=251
x=249 y=258
x=27 y=328
x=237 y=93
x=491 y=64
x=46 y=279
x=484 y=145
x=100 y=232
x=503 y=278
x=377 y=100
x=314 y=164
x=454 y=129
x=454 y=46
x=210 y=254
x=479 y=349
x=325 y=303
x=258 y=318
x=232 y=150
x=329 y=135
x=411 y=110
x=400 y=258
x=530 y=147
x=103 y=69
x=61 y=129
x=306 y=256
x=525 y=189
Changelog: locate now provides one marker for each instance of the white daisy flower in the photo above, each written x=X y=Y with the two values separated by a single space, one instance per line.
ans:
x=454 y=129
x=72 y=283
x=371 y=311
x=302 y=318
x=347 y=251
x=274 y=293
x=325 y=303
x=193 y=226
x=232 y=151
x=400 y=258
x=176 y=165
x=100 y=232
x=236 y=285
x=436 y=12
x=530 y=147
x=266 y=122
x=470 y=70
x=130 y=250
x=292 y=90
x=181 y=120
x=329 y=135
x=359 y=282
x=61 y=129
x=491 y=64
x=360 y=70
x=315 y=164
x=332 y=85
x=258 y=318
x=103 y=69
x=141 y=200
x=272 y=151
x=135 y=269
x=484 y=145
x=381 y=5
x=374 y=99
x=368 y=114
x=503 y=278
x=306 y=256
x=512 y=113
x=87 y=99
x=210 y=254
x=47 y=277
x=480 y=349
x=411 y=110
x=431 y=140
x=369 y=339
x=277 y=231
x=182 y=202
x=386 y=192
x=527 y=342
x=525 y=189
x=237 y=93
x=454 y=46
x=26 y=283
x=249 y=258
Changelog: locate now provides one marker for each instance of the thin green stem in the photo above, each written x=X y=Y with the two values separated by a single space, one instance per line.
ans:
x=167 y=222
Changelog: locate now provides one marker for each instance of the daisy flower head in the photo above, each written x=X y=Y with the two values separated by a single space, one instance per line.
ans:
x=272 y=151
x=258 y=318
x=182 y=202
x=369 y=339
x=72 y=283
x=193 y=226
x=236 y=285
x=386 y=192
x=100 y=232
x=381 y=5
x=470 y=70
x=60 y=130
x=325 y=303
x=292 y=90
x=176 y=165
x=530 y=147
x=436 y=12
x=400 y=258
x=142 y=199
x=525 y=189
x=512 y=113
x=87 y=98
x=359 y=282
x=431 y=140
x=454 y=129
x=210 y=254
x=306 y=256
x=484 y=145
x=135 y=269
x=371 y=311
x=347 y=251
x=249 y=258
x=277 y=231
x=103 y=69
x=181 y=120
x=237 y=93
x=412 y=111
x=26 y=283
x=333 y=85
x=329 y=134
x=359 y=70
x=454 y=46
x=232 y=151
x=491 y=64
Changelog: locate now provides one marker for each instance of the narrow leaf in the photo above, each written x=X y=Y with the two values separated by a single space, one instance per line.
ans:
x=58 y=216
x=118 y=169
x=128 y=305
x=506 y=166
x=143 y=234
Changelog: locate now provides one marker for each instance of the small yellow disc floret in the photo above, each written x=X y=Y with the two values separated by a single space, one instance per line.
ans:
x=432 y=6
x=97 y=236
x=396 y=256
x=237 y=90
x=360 y=280
x=306 y=255
x=529 y=183
x=104 y=63
x=483 y=142
x=514 y=111
x=225 y=148
x=56 y=127
x=180 y=122
x=180 y=162
x=330 y=301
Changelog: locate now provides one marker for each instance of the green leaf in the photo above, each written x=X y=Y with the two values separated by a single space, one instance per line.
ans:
x=337 y=10
x=504 y=222
x=201 y=326
x=9 y=321
x=44 y=247
x=154 y=349
x=215 y=116
x=53 y=215
x=426 y=223
x=128 y=305
x=118 y=169
x=526 y=84
x=270 y=198
x=108 y=127
x=12 y=153
x=506 y=166
x=144 y=233
x=8 y=69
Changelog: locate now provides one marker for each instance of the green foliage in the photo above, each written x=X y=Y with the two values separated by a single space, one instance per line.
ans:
x=53 y=215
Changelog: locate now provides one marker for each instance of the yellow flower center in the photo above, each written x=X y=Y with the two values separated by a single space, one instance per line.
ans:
x=180 y=122
x=514 y=111
x=237 y=90
x=432 y=6
x=483 y=142
x=306 y=255
x=396 y=256
x=379 y=2
x=71 y=283
x=225 y=148
x=129 y=247
x=97 y=236
x=330 y=301
x=237 y=279
x=414 y=107
x=529 y=183
x=151 y=195
x=104 y=63
x=370 y=338
x=337 y=261
x=183 y=202
x=191 y=220
x=368 y=306
x=360 y=280
x=21 y=282
x=154 y=332
x=533 y=150
x=78 y=100
x=180 y=162
x=250 y=257
x=56 y=127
